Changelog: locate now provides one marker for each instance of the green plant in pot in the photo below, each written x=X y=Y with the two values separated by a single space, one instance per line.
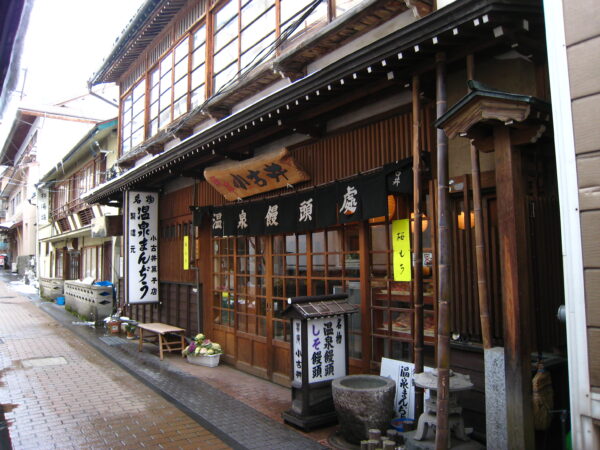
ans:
x=130 y=328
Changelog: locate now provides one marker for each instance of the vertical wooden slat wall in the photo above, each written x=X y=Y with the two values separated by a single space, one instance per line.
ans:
x=348 y=153
x=177 y=297
x=465 y=310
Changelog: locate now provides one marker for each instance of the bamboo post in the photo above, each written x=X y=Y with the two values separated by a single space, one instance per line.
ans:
x=417 y=243
x=443 y=336
x=482 y=290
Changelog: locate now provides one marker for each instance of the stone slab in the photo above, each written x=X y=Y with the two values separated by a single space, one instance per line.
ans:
x=495 y=399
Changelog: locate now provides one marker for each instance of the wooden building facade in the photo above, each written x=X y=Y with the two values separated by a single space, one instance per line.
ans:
x=348 y=91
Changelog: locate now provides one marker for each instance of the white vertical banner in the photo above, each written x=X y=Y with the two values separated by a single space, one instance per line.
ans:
x=43 y=204
x=141 y=250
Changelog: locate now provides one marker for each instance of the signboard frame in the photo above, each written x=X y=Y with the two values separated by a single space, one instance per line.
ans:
x=141 y=247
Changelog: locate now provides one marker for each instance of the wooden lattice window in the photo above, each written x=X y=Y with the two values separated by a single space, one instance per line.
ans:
x=86 y=216
x=63 y=225
x=392 y=302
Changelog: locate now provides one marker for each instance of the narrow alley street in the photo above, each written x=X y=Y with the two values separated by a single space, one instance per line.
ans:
x=58 y=392
x=64 y=384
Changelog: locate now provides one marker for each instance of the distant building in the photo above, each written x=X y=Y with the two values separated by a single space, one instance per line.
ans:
x=69 y=246
x=32 y=142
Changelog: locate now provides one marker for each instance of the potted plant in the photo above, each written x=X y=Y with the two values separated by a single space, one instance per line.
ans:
x=130 y=328
x=203 y=351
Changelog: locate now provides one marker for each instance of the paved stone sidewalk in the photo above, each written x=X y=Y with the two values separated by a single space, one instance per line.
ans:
x=58 y=392
x=234 y=422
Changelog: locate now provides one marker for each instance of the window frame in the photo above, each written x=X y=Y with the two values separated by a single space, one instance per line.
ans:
x=136 y=126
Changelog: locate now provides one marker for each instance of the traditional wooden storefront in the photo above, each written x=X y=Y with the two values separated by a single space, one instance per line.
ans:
x=252 y=276
x=228 y=265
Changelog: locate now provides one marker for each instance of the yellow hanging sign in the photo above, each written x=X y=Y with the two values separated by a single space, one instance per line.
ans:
x=186 y=253
x=401 y=249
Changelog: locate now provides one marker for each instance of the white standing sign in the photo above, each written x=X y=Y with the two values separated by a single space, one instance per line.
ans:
x=141 y=251
x=402 y=373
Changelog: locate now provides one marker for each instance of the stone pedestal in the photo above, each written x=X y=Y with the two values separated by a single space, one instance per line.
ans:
x=363 y=402
x=428 y=420
x=495 y=399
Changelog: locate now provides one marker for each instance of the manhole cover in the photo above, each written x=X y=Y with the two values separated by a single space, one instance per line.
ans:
x=44 y=362
x=112 y=340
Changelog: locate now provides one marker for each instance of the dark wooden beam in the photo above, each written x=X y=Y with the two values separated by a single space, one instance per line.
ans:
x=155 y=148
x=218 y=112
x=288 y=71
x=184 y=132
x=515 y=289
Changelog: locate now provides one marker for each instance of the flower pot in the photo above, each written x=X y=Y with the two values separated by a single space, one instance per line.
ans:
x=204 y=360
x=131 y=335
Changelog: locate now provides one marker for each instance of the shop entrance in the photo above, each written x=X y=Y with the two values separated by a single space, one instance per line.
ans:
x=254 y=276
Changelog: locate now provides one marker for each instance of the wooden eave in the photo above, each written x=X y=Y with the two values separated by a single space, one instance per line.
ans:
x=296 y=56
x=16 y=138
x=385 y=66
x=148 y=23
x=81 y=153
x=475 y=115
x=300 y=51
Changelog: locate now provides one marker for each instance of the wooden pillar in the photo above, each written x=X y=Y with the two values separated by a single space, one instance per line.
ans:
x=515 y=288
x=417 y=242
x=442 y=434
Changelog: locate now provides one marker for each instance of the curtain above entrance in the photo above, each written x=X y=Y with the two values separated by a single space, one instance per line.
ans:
x=358 y=198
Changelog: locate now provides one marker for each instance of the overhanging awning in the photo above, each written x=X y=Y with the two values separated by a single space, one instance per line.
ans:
x=84 y=231
x=7 y=225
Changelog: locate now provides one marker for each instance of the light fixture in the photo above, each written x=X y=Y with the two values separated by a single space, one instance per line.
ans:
x=424 y=222
x=461 y=220
x=391 y=201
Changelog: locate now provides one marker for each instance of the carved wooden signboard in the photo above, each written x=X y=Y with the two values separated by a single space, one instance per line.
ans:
x=269 y=171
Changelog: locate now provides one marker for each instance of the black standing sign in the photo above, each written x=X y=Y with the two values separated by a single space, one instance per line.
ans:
x=319 y=355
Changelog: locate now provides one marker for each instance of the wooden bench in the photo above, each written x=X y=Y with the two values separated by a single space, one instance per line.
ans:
x=158 y=334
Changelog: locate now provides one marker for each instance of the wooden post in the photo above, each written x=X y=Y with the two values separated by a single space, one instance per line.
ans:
x=482 y=292
x=443 y=337
x=417 y=242
x=515 y=289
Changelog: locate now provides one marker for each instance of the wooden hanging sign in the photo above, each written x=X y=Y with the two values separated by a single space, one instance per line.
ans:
x=267 y=172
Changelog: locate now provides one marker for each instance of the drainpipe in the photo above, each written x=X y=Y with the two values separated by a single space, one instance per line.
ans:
x=583 y=432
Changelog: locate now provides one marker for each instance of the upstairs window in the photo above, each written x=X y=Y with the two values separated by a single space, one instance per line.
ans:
x=169 y=87
x=244 y=34
x=85 y=180
x=341 y=6
x=293 y=10
x=257 y=30
x=132 y=117
x=226 y=57
x=60 y=197
x=198 y=67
